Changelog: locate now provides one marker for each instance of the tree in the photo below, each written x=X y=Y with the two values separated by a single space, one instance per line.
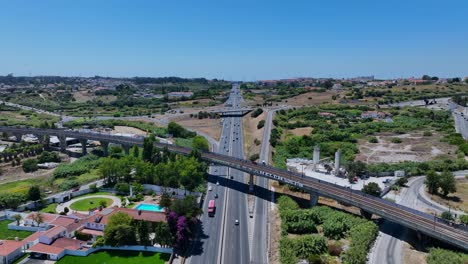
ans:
x=143 y=231
x=30 y=165
x=122 y=187
x=187 y=206
x=136 y=151
x=162 y=234
x=200 y=143
x=464 y=219
x=447 y=216
x=356 y=168
x=402 y=181
x=165 y=200
x=148 y=148
x=447 y=183
x=372 y=188
x=34 y=193
x=93 y=187
x=18 y=218
x=119 y=231
x=38 y=218
x=432 y=182
x=103 y=203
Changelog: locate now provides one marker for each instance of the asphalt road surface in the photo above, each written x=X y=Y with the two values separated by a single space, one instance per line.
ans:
x=220 y=240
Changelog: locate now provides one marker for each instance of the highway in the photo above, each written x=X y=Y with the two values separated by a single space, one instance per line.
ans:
x=220 y=240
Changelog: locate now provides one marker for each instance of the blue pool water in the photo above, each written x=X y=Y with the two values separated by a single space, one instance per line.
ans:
x=149 y=207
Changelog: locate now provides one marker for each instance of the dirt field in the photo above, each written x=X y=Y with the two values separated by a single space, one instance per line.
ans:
x=251 y=133
x=211 y=127
x=414 y=147
x=457 y=200
x=315 y=98
x=84 y=96
x=11 y=174
x=129 y=130
x=301 y=131
x=410 y=255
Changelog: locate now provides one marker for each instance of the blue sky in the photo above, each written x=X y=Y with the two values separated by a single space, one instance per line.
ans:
x=241 y=40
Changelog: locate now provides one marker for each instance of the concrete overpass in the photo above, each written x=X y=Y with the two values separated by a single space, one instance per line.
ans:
x=232 y=112
x=430 y=225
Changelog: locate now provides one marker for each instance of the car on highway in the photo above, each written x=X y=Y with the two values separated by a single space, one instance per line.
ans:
x=236 y=222
x=210 y=188
x=216 y=195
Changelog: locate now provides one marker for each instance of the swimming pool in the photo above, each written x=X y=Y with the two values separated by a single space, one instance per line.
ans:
x=149 y=207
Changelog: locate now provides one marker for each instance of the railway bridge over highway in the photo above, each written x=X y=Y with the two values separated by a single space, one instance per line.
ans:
x=430 y=225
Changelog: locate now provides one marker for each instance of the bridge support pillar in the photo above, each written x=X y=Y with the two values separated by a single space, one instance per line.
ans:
x=105 y=147
x=83 y=143
x=366 y=214
x=63 y=143
x=251 y=184
x=313 y=198
x=126 y=149
x=18 y=136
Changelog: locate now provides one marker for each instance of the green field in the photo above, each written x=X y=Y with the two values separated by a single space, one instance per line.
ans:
x=6 y=233
x=117 y=257
x=18 y=186
x=89 y=203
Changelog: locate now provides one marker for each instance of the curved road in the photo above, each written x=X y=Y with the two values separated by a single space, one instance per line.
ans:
x=388 y=247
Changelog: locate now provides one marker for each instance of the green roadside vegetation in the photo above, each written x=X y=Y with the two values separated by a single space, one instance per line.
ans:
x=12 y=116
x=438 y=256
x=91 y=203
x=395 y=94
x=6 y=233
x=118 y=257
x=343 y=130
x=322 y=235
x=111 y=123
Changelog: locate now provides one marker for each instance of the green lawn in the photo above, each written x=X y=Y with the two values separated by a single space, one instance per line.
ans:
x=184 y=142
x=17 y=186
x=89 y=203
x=6 y=233
x=117 y=257
x=51 y=208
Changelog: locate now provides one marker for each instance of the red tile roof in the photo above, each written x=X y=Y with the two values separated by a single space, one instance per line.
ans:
x=51 y=233
x=46 y=249
x=68 y=243
x=62 y=221
x=92 y=232
x=47 y=218
x=33 y=237
x=9 y=246
x=138 y=215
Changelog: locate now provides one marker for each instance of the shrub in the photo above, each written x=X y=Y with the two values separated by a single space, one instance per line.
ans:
x=396 y=140
x=437 y=256
x=47 y=156
x=257 y=142
x=256 y=113
x=427 y=133
x=80 y=166
x=464 y=219
x=373 y=140
x=261 y=124
x=30 y=165
x=447 y=216
x=254 y=157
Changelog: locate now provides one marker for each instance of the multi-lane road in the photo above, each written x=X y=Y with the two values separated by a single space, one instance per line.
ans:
x=220 y=239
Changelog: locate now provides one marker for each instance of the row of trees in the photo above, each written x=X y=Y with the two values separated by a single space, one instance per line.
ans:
x=186 y=172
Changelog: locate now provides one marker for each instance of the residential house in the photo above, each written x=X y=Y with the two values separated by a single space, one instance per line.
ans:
x=10 y=250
